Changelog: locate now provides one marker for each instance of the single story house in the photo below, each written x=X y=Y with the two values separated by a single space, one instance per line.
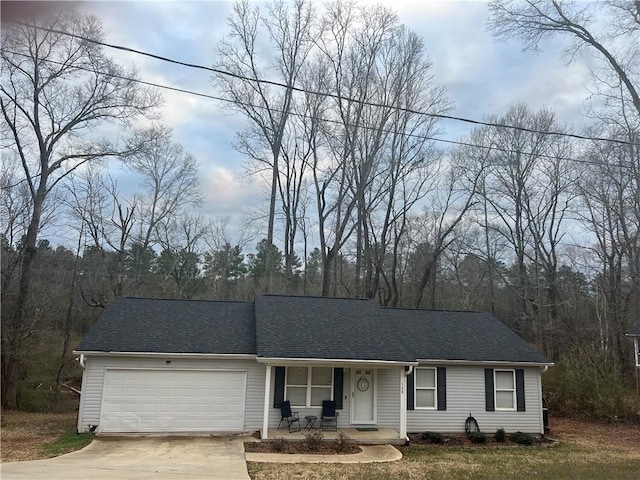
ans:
x=156 y=365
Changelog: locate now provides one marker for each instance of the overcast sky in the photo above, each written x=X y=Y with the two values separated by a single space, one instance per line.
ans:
x=482 y=76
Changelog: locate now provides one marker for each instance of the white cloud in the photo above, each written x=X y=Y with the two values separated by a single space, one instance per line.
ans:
x=482 y=76
x=227 y=190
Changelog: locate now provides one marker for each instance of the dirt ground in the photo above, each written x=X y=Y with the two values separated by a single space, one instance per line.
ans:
x=24 y=434
x=597 y=435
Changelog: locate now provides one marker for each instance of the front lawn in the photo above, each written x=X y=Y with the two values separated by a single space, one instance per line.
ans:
x=587 y=451
x=32 y=436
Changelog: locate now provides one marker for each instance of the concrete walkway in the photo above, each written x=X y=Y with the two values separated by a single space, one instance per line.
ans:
x=369 y=454
x=137 y=458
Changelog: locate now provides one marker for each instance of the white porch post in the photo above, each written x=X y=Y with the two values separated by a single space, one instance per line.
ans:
x=403 y=404
x=267 y=402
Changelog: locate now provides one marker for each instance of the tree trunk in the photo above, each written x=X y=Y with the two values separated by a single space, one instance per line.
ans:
x=18 y=330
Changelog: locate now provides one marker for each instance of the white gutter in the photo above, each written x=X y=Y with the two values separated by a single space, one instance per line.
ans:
x=164 y=355
x=485 y=362
x=283 y=361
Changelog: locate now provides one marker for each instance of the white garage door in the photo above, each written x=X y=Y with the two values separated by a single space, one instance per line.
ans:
x=173 y=401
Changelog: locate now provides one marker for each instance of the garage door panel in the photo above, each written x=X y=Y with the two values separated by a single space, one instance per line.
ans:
x=173 y=401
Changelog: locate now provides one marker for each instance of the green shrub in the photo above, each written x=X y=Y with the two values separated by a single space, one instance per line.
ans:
x=500 y=435
x=313 y=440
x=521 y=438
x=432 y=437
x=342 y=442
x=477 y=437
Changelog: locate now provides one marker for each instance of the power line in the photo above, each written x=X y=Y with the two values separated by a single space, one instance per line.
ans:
x=322 y=119
x=327 y=94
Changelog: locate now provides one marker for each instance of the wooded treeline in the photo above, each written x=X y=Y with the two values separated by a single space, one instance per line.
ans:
x=540 y=228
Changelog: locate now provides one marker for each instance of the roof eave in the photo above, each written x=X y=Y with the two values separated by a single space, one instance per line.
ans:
x=285 y=361
x=96 y=353
x=484 y=362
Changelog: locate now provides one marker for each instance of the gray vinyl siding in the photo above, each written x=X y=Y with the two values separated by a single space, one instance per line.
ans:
x=466 y=394
x=389 y=398
x=94 y=373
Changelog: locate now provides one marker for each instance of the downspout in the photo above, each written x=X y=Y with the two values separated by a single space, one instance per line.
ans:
x=81 y=360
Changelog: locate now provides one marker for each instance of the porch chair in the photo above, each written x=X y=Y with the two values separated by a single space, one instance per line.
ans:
x=329 y=417
x=287 y=416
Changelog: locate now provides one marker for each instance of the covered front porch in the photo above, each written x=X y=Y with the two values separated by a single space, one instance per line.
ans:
x=370 y=398
x=382 y=435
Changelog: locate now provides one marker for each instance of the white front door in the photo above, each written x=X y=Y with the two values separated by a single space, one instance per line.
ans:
x=363 y=396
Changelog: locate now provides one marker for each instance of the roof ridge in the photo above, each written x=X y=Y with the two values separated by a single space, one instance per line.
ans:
x=285 y=295
x=445 y=310
x=184 y=299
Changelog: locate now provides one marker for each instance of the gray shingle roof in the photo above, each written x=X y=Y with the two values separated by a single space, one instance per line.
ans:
x=173 y=326
x=325 y=327
x=456 y=335
x=279 y=326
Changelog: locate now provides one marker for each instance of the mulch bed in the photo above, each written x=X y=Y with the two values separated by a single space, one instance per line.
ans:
x=277 y=446
x=462 y=441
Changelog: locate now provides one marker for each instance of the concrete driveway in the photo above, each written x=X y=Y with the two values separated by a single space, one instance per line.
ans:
x=135 y=458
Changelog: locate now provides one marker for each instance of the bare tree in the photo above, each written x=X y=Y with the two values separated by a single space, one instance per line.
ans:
x=15 y=208
x=56 y=90
x=437 y=227
x=287 y=30
x=609 y=193
x=180 y=240
x=169 y=180
x=617 y=44
x=370 y=58
x=410 y=164
x=109 y=219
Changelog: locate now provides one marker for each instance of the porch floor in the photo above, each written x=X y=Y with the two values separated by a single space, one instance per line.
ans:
x=381 y=436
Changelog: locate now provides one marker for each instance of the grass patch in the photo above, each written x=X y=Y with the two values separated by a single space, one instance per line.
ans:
x=461 y=464
x=67 y=442
x=593 y=451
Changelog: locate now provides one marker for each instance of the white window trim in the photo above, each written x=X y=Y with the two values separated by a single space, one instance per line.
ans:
x=308 y=386
x=434 y=388
x=496 y=390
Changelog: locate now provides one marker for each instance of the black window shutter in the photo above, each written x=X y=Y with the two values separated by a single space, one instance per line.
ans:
x=442 y=388
x=488 y=390
x=520 y=389
x=338 y=386
x=411 y=382
x=278 y=391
